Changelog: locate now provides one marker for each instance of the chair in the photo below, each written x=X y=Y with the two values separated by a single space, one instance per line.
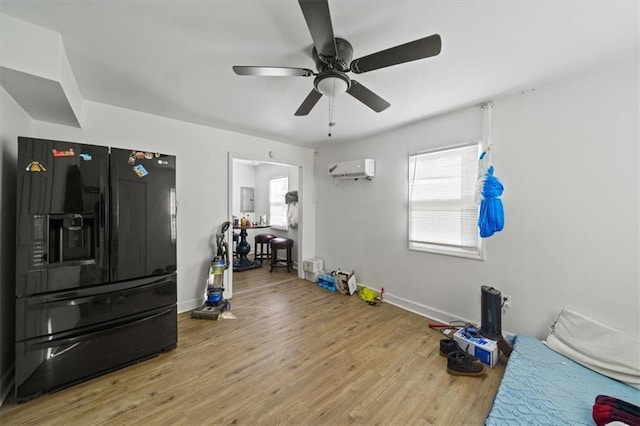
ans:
x=279 y=244
x=260 y=252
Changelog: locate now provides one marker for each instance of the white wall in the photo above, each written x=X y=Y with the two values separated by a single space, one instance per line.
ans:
x=13 y=122
x=568 y=155
x=244 y=174
x=202 y=176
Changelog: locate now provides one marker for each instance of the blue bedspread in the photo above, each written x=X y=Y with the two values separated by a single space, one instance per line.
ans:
x=542 y=387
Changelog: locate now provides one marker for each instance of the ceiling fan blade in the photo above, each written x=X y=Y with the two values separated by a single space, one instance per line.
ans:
x=412 y=51
x=316 y=13
x=272 y=71
x=367 y=97
x=310 y=101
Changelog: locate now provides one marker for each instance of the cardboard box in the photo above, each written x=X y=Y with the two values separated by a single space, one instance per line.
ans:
x=472 y=342
x=311 y=276
x=312 y=265
x=345 y=282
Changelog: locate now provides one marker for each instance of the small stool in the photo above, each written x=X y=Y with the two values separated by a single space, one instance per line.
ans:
x=280 y=243
x=260 y=252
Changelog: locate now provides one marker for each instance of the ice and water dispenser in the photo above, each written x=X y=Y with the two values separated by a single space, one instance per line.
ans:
x=71 y=238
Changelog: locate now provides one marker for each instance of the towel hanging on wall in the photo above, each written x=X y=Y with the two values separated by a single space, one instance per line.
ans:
x=291 y=198
x=292 y=215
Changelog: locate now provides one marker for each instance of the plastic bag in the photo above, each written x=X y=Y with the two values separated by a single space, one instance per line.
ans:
x=491 y=218
x=367 y=295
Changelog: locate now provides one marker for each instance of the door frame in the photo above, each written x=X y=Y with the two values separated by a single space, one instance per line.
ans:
x=228 y=292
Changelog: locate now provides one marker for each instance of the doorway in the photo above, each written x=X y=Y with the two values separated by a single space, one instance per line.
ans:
x=257 y=176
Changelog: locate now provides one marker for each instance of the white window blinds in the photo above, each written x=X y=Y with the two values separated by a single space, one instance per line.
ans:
x=443 y=214
x=278 y=187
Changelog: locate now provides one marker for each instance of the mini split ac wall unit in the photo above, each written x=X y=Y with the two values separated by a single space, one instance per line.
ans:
x=357 y=169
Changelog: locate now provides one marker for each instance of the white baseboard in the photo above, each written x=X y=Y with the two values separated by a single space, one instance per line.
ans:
x=422 y=310
x=6 y=384
x=431 y=313
x=189 y=305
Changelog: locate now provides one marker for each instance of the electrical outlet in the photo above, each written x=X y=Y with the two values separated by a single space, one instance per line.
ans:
x=506 y=302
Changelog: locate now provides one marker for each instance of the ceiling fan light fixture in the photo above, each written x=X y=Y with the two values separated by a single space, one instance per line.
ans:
x=332 y=84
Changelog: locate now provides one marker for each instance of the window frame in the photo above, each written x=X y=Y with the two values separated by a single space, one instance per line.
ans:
x=476 y=253
x=285 y=226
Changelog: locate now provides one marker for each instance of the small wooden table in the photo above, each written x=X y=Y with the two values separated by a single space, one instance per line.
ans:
x=243 y=249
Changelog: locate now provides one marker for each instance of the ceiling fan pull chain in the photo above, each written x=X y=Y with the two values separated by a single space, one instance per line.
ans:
x=331 y=108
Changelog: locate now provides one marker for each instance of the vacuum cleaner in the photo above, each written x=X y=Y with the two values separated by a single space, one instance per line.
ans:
x=214 y=303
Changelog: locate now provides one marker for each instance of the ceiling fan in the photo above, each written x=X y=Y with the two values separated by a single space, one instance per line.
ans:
x=333 y=61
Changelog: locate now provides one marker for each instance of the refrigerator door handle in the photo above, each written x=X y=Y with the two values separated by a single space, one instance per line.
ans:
x=174 y=214
x=100 y=244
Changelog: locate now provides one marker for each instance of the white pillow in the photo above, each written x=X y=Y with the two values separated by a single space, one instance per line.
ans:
x=606 y=350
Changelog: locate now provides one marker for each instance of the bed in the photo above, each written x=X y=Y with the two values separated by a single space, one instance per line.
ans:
x=542 y=387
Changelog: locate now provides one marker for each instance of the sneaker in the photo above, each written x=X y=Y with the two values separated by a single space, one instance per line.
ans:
x=449 y=345
x=459 y=364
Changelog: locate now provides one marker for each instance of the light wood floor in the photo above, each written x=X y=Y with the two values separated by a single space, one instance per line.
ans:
x=296 y=354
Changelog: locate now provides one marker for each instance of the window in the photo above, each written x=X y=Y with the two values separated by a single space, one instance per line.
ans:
x=278 y=187
x=443 y=213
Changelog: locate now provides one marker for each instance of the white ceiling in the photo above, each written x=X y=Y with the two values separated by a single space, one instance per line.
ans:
x=174 y=58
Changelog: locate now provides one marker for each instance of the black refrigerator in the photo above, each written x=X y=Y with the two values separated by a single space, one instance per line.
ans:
x=96 y=261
